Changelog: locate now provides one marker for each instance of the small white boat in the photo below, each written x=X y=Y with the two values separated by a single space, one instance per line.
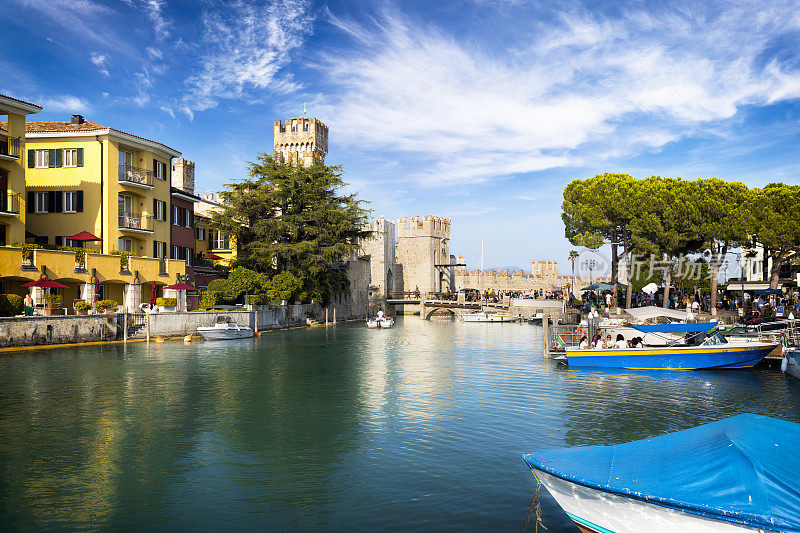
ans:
x=224 y=329
x=485 y=316
x=380 y=322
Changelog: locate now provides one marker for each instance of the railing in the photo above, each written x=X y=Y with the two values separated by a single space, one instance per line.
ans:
x=132 y=174
x=10 y=146
x=9 y=203
x=135 y=222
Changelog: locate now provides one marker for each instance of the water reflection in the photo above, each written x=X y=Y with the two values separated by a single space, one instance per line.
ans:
x=420 y=427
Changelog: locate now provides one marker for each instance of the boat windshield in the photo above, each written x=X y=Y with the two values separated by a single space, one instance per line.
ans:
x=715 y=339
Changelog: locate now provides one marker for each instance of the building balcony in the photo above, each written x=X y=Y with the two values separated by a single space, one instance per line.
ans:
x=135 y=223
x=9 y=204
x=135 y=176
x=10 y=148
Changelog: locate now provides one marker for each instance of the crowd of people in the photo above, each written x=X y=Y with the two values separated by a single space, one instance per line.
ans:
x=608 y=344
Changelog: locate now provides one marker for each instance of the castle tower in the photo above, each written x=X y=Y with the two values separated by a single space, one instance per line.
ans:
x=301 y=140
x=422 y=244
x=381 y=249
x=183 y=175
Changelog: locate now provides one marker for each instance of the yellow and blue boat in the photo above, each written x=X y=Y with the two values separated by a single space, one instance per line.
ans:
x=712 y=352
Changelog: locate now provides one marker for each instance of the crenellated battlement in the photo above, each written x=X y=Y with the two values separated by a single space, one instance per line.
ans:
x=301 y=139
x=425 y=226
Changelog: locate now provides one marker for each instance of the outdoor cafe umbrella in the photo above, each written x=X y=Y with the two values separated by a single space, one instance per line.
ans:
x=153 y=293
x=84 y=236
x=180 y=287
x=213 y=257
x=767 y=292
x=601 y=286
x=46 y=284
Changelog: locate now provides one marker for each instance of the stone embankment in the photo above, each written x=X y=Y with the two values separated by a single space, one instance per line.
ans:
x=34 y=331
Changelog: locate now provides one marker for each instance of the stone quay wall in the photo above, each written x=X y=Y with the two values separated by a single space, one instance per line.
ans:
x=34 y=331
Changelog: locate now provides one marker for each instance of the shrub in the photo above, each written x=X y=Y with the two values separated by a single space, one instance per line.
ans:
x=244 y=281
x=82 y=306
x=54 y=301
x=216 y=285
x=283 y=285
x=257 y=299
x=210 y=298
x=11 y=304
x=167 y=302
x=102 y=305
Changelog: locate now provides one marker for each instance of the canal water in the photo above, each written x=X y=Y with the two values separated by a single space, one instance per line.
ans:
x=418 y=428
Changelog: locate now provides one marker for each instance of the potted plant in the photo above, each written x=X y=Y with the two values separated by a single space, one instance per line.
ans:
x=82 y=308
x=54 y=301
x=106 y=306
x=167 y=304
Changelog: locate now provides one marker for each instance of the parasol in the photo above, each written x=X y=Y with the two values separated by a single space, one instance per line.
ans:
x=213 y=257
x=153 y=294
x=180 y=287
x=46 y=283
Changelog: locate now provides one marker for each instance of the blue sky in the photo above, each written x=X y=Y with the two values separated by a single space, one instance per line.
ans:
x=480 y=111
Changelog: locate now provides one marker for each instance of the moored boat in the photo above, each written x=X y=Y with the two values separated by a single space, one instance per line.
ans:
x=791 y=362
x=224 y=329
x=380 y=322
x=485 y=316
x=731 y=475
x=711 y=352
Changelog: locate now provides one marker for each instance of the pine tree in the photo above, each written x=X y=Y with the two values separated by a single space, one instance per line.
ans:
x=293 y=218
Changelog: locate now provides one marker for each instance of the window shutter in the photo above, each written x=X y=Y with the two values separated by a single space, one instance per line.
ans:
x=155 y=249
x=155 y=167
x=31 y=199
x=79 y=201
x=79 y=158
x=191 y=219
x=59 y=240
x=51 y=201
x=31 y=158
x=59 y=157
x=155 y=209
x=51 y=158
x=59 y=197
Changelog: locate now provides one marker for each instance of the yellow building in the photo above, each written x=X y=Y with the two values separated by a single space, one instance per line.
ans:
x=82 y=176
x=12 y=167
x=218 y=243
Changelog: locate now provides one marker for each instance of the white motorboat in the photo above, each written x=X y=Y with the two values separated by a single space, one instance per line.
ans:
x=486 y=316
x=791 y=362
x=380 y=322
x=224 y=329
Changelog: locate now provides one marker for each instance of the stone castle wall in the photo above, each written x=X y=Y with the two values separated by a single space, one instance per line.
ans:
x=381 y=249
x=301 y=139
x=422 y=243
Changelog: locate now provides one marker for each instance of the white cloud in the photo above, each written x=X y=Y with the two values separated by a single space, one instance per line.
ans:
x=100 y=61
x=154 y=53
x=247 y=45
x=583 y=90
x=161 y=26
x=168 y=110
x=66 y=103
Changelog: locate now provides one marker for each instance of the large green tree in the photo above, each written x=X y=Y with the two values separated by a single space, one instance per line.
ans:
x=773 y=222
x=598 y=210
x=292 y=218
x=666 y=226
x=723 y=223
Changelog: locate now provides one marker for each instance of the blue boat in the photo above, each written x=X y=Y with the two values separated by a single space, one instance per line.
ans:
x=713 y=352
x=736 y=474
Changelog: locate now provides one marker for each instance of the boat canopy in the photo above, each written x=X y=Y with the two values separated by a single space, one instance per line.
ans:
x=650 y=312
x=740 y=469
x=675 y=328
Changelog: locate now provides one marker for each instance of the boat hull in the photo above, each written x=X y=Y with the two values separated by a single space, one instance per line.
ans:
x=488 y=317
x=597 y=511
x=221 y=334
x=672 y=358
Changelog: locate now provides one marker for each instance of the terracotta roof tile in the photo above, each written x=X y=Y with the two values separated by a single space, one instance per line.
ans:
x=21 y=101
x=60 y=126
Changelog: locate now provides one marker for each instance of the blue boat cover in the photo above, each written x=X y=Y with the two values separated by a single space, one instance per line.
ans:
x=674 y=328
x=743 y=469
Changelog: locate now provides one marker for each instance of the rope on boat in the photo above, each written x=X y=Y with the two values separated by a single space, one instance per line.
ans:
x=536 y=505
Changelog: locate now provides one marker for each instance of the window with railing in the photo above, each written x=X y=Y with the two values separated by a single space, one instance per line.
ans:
x=9 y=203
x=135 y=221
x=10 y=146
x=137 y=175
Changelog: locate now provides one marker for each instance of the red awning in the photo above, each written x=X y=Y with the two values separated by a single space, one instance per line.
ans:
x=84 y=236
x=46 y=283
x=211 y=256
x=180 y=287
